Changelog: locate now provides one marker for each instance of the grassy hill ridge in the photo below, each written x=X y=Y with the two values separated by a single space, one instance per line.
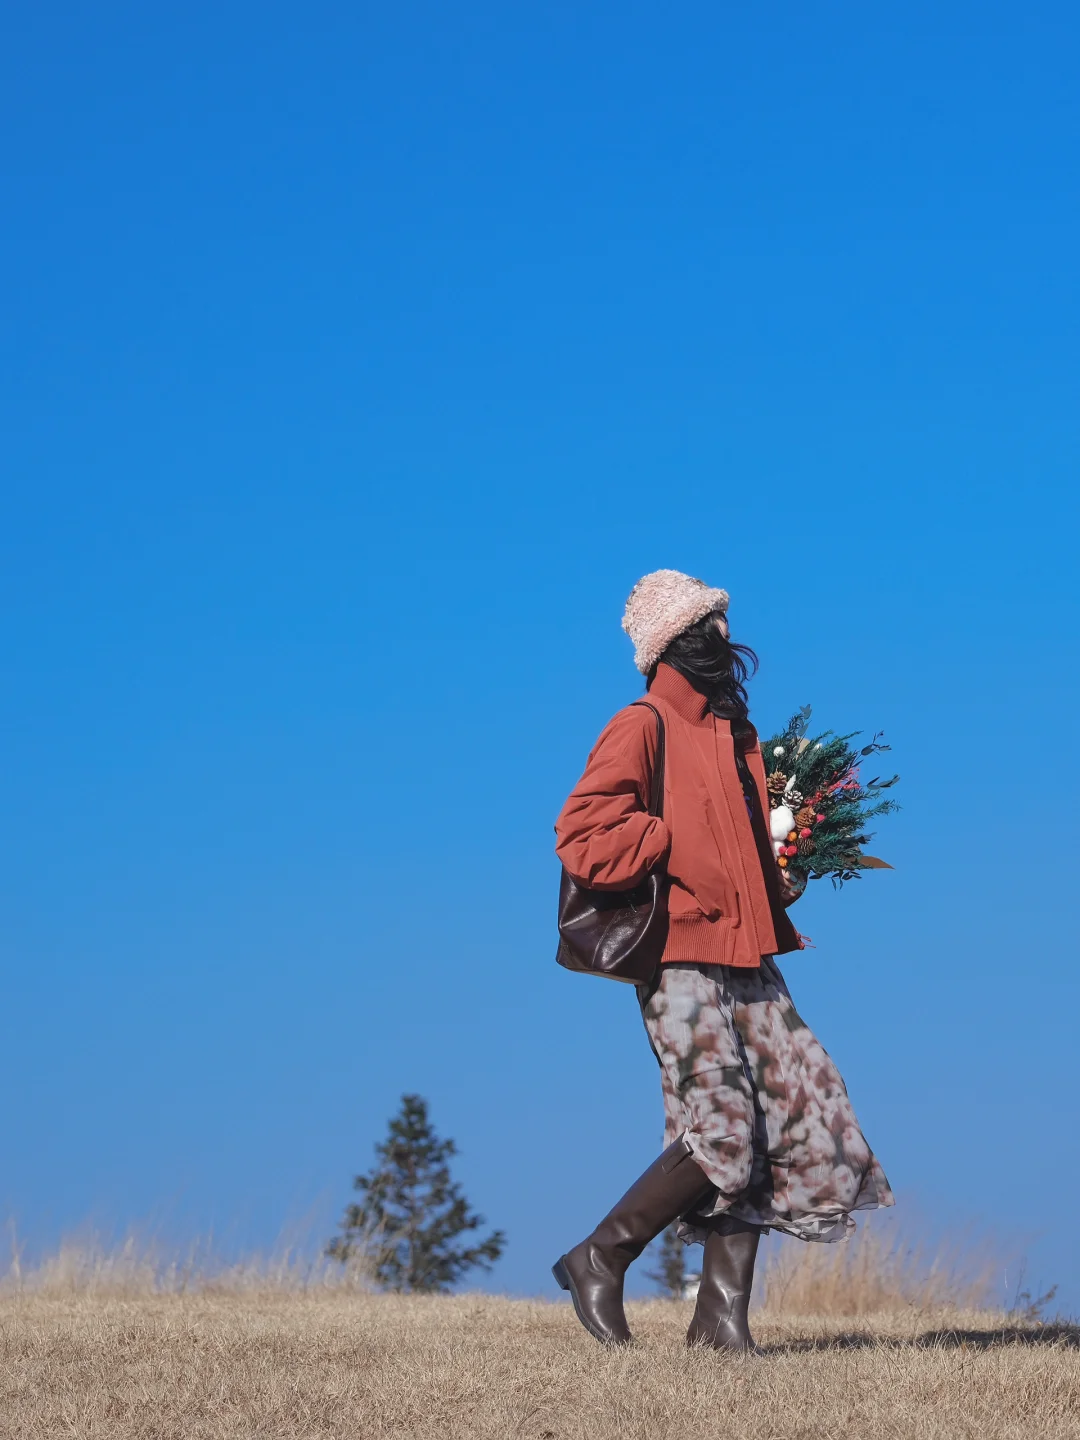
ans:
x=279 y=1365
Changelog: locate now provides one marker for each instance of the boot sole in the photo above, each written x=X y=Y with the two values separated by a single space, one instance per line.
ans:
x=563 y=1280
x=702 y=1342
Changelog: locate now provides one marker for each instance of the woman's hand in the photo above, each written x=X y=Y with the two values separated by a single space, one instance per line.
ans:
x=790 y=887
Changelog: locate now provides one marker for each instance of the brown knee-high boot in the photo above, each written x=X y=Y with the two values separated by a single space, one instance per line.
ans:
x=593 y=1271
x=727 y=1274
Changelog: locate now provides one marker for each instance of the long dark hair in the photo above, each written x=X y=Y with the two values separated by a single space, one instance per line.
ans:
x=715 y=666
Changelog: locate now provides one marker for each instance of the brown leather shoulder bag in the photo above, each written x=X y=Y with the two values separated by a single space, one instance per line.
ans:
x=619 y=934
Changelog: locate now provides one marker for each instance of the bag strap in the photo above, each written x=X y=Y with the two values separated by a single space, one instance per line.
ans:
x=656 y=782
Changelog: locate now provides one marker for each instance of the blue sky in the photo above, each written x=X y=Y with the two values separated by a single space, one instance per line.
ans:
x=357 y=361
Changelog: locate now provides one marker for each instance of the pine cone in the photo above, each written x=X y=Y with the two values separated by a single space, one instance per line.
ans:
x=805 y=847
x=806 y=816
x=776 y=783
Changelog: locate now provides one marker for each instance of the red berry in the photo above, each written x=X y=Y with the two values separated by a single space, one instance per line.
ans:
x=804 y=833
x=820 y=818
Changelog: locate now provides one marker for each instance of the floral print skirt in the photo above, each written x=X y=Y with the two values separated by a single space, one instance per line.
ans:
x=760 y=1104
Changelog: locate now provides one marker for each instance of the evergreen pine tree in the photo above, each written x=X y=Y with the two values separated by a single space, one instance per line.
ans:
x=670 y=1273
x=411 y=1213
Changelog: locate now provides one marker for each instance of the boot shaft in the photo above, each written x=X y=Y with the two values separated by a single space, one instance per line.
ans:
x=670 y=1187
x=723 y=1303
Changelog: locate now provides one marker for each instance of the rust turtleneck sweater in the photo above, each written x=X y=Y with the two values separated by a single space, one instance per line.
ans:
x=724 y=901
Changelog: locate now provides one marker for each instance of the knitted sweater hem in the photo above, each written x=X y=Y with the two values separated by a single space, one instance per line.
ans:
x=693 y=939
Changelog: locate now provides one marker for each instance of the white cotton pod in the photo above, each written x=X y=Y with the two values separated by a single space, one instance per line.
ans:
x=781 y=824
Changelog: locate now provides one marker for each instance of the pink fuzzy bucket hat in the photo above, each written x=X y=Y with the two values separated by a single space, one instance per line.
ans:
x=661 y=606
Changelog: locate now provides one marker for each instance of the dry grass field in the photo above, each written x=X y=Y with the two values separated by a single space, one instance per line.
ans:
x=119 y=1351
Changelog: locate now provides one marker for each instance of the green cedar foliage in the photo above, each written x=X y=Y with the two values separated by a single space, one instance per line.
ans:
x=407 y=1225
x=826 y=771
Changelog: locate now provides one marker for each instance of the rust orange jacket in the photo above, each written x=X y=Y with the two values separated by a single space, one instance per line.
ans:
x=724 y=901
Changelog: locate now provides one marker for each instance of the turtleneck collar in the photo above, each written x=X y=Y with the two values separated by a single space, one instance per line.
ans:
x=669 y=685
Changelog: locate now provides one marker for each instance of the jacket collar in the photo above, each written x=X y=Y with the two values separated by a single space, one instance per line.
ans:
x=677 y=691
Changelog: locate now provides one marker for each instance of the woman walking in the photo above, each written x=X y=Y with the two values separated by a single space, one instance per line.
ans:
x=760 y=1133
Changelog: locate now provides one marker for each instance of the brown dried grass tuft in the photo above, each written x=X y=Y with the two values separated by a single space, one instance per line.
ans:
x=877 y=1271
x=86 y=1265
